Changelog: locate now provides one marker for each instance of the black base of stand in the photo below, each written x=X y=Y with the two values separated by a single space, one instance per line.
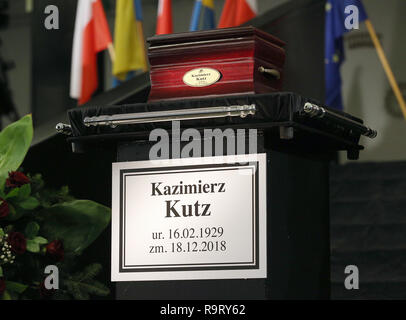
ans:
x=297 y=236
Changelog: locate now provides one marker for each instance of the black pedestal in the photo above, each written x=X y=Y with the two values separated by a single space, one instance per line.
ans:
x=297 y=236
x=299 y=136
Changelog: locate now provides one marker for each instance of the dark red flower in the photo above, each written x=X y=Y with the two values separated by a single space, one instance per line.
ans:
x=55 y=250
x=17 y=241
x=44 y=292
x=2 y=286
x=4 y=208
x=16 y=179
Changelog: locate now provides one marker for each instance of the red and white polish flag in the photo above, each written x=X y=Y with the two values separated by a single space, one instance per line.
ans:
x=164 y=23
x=237 y=12
x=91 y=36
x=246 y=10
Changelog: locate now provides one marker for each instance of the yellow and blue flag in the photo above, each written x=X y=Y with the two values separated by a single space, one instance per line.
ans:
x=334 y=50
x=194 y=22
x=208 y=15
x=129 y=40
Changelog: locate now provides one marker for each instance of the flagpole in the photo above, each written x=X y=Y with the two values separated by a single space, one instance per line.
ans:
x=112 y=52
x=386 y=66
x=143 y=47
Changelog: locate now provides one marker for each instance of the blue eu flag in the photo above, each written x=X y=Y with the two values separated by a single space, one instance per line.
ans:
x=336 y=15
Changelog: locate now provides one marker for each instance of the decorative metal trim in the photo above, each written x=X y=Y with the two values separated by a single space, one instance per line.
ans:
x=171 y=115
x=314 y=111
x=271 y=72
x=63 y=129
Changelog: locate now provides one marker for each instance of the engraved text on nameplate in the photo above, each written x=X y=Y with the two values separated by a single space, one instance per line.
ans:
x=201 y=77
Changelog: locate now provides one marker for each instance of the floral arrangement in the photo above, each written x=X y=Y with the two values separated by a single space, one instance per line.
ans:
x=40 y=227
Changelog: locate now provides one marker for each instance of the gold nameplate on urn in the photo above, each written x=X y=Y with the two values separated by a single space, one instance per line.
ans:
x=201 y=77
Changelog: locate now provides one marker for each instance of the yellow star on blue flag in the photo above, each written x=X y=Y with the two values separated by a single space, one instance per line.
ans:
x=334 y=49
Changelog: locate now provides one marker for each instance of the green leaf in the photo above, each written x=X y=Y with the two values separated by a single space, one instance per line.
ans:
x=49 y=197
x=14 y=295
x=24 y=192
x=32 y=246
x=36 y=182
x=13 y=193
x=15 y=140
x=77 y=223
x=90 y=272
x=82 y=284
x=15 y=287
x=2 y=233
x=6 y=296
x=20 y=193
x=31 y=230
x=83 y=290
x=14 y=214
x=1 y=271
x=29 y=203
x=40 y=240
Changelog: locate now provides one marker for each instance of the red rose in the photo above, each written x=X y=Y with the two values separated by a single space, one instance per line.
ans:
x=55 y=250
x=4 y=208
x=2 y=286
x=16 y=179
x=17 y=242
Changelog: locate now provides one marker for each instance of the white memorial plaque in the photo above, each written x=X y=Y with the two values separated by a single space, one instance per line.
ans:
x=195 y=218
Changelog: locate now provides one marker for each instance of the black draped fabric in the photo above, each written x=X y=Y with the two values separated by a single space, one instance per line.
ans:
x=273 y=107
x=273 y=110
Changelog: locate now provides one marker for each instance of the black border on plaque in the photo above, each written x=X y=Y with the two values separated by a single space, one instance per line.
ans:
x=184 y=267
